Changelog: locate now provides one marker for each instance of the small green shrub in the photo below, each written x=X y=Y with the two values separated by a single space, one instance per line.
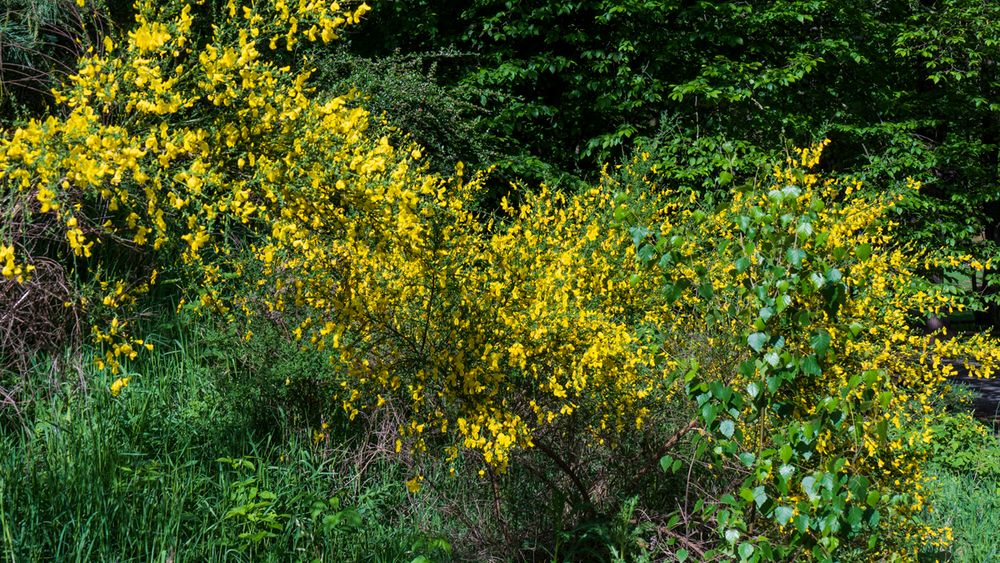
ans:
x=406 y=91
x=964 y=445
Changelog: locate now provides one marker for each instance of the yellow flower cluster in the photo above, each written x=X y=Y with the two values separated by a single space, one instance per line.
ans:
x=168 y=143
x=12 y=270
x=490 y=334
x=118 y=385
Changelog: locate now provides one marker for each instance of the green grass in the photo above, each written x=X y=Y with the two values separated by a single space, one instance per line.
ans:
x=970 y=505
x=180 y=467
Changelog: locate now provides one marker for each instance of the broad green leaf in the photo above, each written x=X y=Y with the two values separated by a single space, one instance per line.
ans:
x=795 y=256
x=727 y=428
x=732 y=535
x=810 y=488
x=742 y=263
x=666 y=463
x=783 y=514
x=820 y=343
x=810 y=366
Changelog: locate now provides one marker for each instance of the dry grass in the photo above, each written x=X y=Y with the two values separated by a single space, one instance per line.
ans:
x=37 y=315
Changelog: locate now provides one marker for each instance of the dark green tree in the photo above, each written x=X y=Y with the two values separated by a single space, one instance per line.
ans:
x=904 y=88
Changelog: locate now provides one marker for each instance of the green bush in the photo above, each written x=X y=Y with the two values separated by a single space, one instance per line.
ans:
x=964 y=445
x=407 y=93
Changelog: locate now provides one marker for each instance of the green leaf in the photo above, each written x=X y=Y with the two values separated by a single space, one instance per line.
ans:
x=809 y=487
x=742 y=263
x=706 y=291
x=727 y=428
x=804 y=230
x=786 y=471
x=855 y=328
x=759 y=496
x=772 y=358
x=854 y=517
x=732 y=535
x=709 y=412
x=863 y=251
x=795 y=256
x=639 y=234
x=665 y=261
x=745 y=550
x=783 y=514
x=646 y=253
x=810 y=366
x=757 y=341
x=620 y=214
x=682 y=555
x=666 y=463
x=820 y=343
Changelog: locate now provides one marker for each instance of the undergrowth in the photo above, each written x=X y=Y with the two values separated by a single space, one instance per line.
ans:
x=179 y=467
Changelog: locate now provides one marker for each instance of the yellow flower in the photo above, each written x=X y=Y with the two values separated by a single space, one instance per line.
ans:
x=413 y=485
x=118 y=385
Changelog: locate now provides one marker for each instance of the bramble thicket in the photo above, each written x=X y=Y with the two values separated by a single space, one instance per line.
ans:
x=771 y=329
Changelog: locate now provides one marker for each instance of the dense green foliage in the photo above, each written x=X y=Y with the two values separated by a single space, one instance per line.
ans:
x=903 y=88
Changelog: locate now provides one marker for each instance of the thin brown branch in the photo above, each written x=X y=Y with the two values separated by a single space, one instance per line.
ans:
x=568 y=470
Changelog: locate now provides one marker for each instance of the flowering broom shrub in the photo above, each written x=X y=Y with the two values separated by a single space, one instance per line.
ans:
x=169 y=151
x=191 y=155
x=824 y=401
x=186 y=154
